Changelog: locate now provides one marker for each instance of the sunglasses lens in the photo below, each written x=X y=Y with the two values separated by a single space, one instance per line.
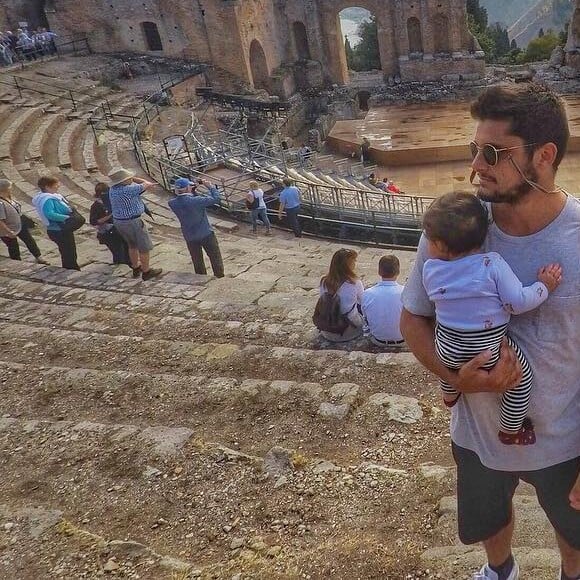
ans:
x=490 y=154
x=473 y=150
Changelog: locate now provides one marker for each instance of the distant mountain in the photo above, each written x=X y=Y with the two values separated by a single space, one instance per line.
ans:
x=506 y=11
x=525 y=18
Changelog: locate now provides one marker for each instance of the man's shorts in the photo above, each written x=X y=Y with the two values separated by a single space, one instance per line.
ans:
x=135 y=233
x=484 y=497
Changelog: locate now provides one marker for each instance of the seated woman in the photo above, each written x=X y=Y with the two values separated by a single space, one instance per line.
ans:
x=389 y=186
x=343 y=281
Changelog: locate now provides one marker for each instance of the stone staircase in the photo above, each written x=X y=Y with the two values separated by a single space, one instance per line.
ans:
x=196 y=427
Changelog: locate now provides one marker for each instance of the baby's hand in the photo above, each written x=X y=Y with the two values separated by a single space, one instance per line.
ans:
x=551 y=276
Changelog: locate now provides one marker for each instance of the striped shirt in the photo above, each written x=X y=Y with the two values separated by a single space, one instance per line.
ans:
x=126 y=201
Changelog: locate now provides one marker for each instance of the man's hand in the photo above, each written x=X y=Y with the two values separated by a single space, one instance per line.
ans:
x=505 y=375
x=575 y=494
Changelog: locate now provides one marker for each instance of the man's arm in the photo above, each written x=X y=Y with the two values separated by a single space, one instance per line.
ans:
x=144 y=183
x=281 y=209
x=418 y=332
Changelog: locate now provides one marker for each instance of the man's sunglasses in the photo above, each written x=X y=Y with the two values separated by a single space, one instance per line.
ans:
x=491 y=153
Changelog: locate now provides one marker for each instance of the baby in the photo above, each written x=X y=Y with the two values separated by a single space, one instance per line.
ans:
x=474 y=293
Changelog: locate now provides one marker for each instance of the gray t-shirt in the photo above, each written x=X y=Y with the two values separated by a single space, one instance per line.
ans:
x=549 y=336
x=9 y=212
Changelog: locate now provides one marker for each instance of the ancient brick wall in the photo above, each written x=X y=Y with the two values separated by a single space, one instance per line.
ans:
x=118 y=25
x=260 y=41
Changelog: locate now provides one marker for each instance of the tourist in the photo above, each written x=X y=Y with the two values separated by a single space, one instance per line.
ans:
x=389 y=186
x=290 y=202
x=126 y=197
x=6 y=55
x=54 y=210
x=381 y=305
x=520 y=139
x=256 y=204
x=14 y=224
x=25 y=45
x=373 y=180
x=365 y=151
x=304 y=154
x=102 y=218
x=191 y=211
x=342 y=282
x=474 y=293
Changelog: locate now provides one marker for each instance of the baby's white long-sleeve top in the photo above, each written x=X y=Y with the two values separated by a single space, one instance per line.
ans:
x=478 y=291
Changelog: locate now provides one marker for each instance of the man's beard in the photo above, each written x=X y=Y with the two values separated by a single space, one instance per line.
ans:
x=512 y=196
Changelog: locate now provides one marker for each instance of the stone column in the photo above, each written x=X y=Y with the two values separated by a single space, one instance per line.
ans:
x=427 y=30
x=387 y=42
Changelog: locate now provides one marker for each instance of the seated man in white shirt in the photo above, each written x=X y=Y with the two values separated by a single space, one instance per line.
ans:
x=382 y=306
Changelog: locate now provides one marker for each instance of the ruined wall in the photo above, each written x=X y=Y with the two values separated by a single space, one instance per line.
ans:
x=276 y=44
x=117 y=25
x=573 y=44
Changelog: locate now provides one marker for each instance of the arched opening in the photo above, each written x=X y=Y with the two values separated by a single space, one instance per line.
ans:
x=362 y=98
x=441 y=38
x=301 y=41
x=152 y=37
x=259 y=66
x=360 y=37
x=415 y=36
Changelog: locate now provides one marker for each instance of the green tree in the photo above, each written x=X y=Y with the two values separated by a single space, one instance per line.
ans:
x=349 y=53
x=541 y=48
x=366 y=54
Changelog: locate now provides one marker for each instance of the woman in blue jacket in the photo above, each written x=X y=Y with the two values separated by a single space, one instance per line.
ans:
x=53 y=211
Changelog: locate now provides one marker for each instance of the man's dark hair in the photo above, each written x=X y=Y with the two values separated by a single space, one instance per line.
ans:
x=536 y=114
x=46 y=181
x=457 y=219
x=287 y=182
x=389 y=266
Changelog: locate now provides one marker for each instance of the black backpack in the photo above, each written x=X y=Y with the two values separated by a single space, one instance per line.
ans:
x=254 y=203
x=327 y=315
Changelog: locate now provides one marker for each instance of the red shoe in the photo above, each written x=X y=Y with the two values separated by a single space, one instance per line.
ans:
x=525 y=436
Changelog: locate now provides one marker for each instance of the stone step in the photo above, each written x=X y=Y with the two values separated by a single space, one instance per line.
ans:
x=40 y=135
x=249 y=295
x=54 y=546
x=222 y=509
x=15 y=128
x=117 y=319
x=300 y=412
x=172 y=285
x=67 y=140
x=399 y=371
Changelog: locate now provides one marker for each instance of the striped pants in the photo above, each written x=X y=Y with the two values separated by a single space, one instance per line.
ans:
x=456 y=347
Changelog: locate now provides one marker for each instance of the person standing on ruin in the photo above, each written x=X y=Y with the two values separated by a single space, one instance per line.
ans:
x=520 y=139
x=54 y=210
x=15 y=225
x=191 y=211
x=290 y=203
x=126 y=197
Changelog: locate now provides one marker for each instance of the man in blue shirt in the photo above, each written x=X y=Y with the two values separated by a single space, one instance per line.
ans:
x=191 y=211
x=290 y=201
